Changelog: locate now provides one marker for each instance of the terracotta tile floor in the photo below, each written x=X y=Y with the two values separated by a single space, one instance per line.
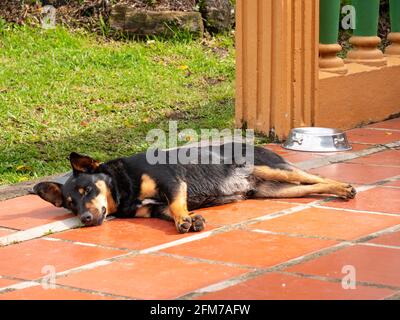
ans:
x=257 y=249
x=7 y=282
x=393 y=124
x=378 y=199
x=356 y=173
x=4 y=232
x=151 y=277
x=377 y=265
x=250 y=248
x=27 y=259
x=371 y=136
x=39 y=293
x=385 y=158
x=28 y=212
x=389 y=239
x=288 y=287
x=333 y=224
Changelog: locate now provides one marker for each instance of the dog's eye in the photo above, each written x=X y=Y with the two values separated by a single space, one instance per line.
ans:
x=70 y=203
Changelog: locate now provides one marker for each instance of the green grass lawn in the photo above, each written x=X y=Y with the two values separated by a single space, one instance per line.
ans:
x=62 y=91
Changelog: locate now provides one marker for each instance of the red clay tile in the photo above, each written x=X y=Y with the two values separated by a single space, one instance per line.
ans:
x=7 y=282
x=354 y=147
x=38 y=293
x=389 y=239
x=241 y=211
x=356 y=173
x=333 y=224
x=277 y=148
x=292 y=156
x=276 y=286
x=302 y=156
x=250 y=248
x=298 y=156
x=25 y=260
x=303 y=200
x=5 y=232
x=371 y=136
x=151 y=277
x=377 y=199
x=385 y=158
x=29 y=211
x=134 y=234
x=390 y=124
x=372 y=264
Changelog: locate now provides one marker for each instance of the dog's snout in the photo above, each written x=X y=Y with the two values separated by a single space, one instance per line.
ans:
x=87 y=218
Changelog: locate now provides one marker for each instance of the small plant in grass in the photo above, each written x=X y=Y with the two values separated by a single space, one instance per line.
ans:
x=48 y=232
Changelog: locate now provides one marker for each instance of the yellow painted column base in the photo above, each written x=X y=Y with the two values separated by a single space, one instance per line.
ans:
x=365 y=51
x=328 y=59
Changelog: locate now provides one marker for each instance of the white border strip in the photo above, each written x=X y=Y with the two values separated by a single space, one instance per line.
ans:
x=40 y=231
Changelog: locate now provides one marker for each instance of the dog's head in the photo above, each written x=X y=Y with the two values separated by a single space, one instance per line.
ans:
x=87 y=193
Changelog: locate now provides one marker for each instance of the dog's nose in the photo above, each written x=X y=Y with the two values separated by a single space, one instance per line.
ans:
x=87 y=218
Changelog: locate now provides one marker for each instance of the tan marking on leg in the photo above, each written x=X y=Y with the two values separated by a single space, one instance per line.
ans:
x=148 y=187
x=294 y=176
x=309 y=178
x=287 y=190
x=179 y=210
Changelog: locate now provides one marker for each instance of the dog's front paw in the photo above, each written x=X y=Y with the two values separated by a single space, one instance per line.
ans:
x=198 y=222
x=183 y=224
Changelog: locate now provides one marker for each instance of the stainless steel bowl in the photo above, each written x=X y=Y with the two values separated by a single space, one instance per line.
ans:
x=315 y=139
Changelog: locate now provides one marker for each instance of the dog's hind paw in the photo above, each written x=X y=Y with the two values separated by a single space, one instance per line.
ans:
x=198 y=222
x=348 y=192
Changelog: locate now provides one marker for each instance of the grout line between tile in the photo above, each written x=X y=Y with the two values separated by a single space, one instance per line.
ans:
x=382 y=129
x=295 y=235
x=377 y=245
x=358 y=211
x=321 y=162
x=337 y=280
x=24 y=283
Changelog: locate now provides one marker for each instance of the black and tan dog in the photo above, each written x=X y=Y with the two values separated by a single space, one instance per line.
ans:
x=132 y=187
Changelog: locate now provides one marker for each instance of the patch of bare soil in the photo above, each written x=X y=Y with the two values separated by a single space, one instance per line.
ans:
x=89 y=14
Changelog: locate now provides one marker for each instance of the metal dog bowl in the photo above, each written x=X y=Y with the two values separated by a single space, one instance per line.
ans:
x=314 y=139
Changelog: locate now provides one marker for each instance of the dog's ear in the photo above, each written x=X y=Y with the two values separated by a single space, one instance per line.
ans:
x=49 y=191
x=83 y=164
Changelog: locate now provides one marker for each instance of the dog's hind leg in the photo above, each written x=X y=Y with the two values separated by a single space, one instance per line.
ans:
x=272 y=189
x=291 y=174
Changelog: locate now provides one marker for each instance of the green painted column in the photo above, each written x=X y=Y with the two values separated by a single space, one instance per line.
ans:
x=365 y=39
x=329 y=11
x=394 y=36
x=367 y=17
x=394 y=6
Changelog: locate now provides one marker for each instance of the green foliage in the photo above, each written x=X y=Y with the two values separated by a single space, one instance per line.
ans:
x=62 y=91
